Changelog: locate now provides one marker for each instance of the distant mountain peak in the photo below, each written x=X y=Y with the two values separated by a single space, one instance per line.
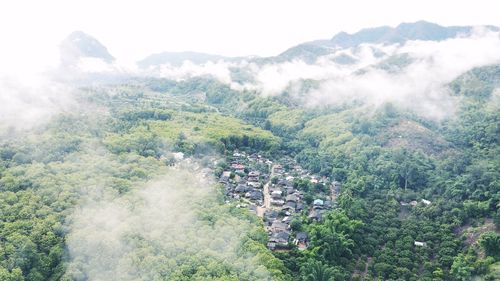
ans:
x=406 y=31
x=81 y=45
x=420 y=30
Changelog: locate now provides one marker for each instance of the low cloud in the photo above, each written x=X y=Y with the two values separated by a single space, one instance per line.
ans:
x=157 y=230
x=421 y=86
x=418 y=84
x=219 y=70
x=31 y=100
x=413 y=76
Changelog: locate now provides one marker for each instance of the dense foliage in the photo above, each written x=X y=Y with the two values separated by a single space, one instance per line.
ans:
x=419 y=197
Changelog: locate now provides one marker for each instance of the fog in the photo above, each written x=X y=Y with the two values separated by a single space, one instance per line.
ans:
x=153 y=231
x=421 y=86
x=413 y=76
x=30 y=100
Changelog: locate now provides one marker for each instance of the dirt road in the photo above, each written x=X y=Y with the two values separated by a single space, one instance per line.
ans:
x=267 y=196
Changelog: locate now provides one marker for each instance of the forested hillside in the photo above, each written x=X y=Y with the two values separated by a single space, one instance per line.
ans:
x=315 y=178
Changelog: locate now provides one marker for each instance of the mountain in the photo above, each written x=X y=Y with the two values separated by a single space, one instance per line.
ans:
x=420 y=30
x=384 y=168
x=177 y=58
x=306 y=52
x=80 y=45
x=310 y=51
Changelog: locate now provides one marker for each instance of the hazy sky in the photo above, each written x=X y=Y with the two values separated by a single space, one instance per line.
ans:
x=31 y=30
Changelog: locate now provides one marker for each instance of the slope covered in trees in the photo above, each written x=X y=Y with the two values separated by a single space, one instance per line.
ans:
x=419 y=197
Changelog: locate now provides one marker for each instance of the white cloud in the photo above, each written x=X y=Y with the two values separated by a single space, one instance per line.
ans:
x=163 y=221
x=419 y=86
x=29 y=101
x=219 y=70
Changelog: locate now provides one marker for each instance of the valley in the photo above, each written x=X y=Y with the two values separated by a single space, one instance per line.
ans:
x=368 y=156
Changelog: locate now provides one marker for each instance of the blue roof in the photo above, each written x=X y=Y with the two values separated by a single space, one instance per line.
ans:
x=318 y=202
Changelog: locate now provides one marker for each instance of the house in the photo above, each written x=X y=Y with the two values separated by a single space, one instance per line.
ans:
x=289 y=189
x=292 y=198
x=253 y=209
x=292 y=205
x=278 y=226
x=299 y=207
x=286 y=220
x=254 y=184
x=426 y=202
x=289 y=208
x=280 y=238
x=336 y=184
x=255 y=195
x=238 y=166
x=254 y=174
x=283 y=183
x=318 y=203
x=276 y=194
x=271 y=246
x=237 y=178
x=420 y=244
x=301 y=237
x=277 y=202
x=328 y=204
x=252 y=179
x=270 y=215
x=336 y=188
x=301 y=240
x=228 y=188
x=278 y=169
x=241 y=188
x=225 y=176
x=316 y=214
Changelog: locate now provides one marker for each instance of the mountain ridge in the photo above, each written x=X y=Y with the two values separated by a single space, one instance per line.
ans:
x=79 y=45
x=420 y=30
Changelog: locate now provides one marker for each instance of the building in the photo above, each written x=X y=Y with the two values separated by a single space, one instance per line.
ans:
x=254 y=174
x=420 y=244
x=301 y=240
x=318 y=203
x=276 y=194
x=292 y=198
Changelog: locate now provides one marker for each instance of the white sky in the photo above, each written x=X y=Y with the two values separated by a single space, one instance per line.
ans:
x=31 y=30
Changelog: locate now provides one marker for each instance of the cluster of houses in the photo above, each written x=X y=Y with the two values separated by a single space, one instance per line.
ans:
x=287 y=202
x=245 y=178
x=268 y=189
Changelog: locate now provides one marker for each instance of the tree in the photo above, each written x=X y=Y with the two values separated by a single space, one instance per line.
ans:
x=461 y=269
x=316 y=271
x=15 y=275
x=490 y=241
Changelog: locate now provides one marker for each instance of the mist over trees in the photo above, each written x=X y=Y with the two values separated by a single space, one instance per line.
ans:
x=109 y=173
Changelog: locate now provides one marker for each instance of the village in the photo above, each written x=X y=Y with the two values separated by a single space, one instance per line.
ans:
x=281 y=192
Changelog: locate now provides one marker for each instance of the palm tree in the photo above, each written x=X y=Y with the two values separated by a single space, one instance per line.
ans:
x=316 y=271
